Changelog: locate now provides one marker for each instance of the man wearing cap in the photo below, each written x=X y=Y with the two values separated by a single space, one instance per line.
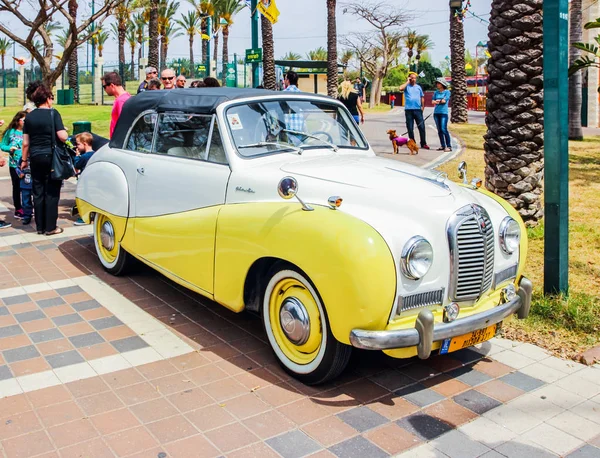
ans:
x=414 y=104
x=150 y=74
x=441 y=98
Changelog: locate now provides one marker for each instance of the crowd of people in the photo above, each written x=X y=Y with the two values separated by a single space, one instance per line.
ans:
x=29 y=137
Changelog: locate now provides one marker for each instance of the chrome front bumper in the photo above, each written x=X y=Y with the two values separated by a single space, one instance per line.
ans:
x=426 y=332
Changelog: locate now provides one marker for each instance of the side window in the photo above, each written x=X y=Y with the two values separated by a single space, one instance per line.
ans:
x=183 y=135
x=140 y=138
x=216 y=152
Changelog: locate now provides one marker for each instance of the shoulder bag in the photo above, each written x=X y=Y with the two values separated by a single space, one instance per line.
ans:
x=62 y=163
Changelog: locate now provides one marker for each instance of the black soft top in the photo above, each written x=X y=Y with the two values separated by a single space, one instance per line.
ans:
x=203 y=100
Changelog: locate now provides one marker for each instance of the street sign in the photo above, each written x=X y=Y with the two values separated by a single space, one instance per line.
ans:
x=230 y=78
x=200 y=70
x=254 y=56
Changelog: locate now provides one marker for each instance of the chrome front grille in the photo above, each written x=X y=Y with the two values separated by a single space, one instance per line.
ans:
x=471 y=240
x=420 y=300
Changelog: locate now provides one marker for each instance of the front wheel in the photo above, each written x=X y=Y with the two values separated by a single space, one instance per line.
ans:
x=298 y=330
x=113 y=257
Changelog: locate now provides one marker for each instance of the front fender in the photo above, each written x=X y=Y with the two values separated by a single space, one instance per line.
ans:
x=348 y=261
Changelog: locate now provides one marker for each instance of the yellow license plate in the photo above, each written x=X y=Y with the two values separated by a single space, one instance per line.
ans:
x=468 y=340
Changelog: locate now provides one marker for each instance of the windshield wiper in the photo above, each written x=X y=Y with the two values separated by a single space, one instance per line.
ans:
x=297 y=132
x=262 y=144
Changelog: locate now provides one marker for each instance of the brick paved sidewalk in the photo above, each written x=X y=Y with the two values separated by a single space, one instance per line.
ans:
x=92 y=366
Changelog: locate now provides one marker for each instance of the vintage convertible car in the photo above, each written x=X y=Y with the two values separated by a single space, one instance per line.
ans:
x=273 y=202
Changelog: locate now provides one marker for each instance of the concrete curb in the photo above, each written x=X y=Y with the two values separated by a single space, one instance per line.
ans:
x=446 y=157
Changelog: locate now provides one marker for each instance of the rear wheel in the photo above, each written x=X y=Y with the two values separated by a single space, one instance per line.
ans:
x=298 y=329
x=113 y=257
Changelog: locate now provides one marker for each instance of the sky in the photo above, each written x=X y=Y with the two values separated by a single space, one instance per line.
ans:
x=302 y=27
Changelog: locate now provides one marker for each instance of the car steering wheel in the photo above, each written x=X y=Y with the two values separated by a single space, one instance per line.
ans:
x=329 y=138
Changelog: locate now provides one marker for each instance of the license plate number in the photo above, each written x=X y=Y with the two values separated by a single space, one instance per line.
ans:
x=468 y=340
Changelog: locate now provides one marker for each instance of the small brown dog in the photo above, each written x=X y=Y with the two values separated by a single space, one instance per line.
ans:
x=398 y=141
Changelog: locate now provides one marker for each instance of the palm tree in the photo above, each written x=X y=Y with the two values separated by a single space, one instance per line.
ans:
x=317 y=54
x=292 y=56
x=5 y=45
x=99 y=38
x=423 y=44
x=169 y=34
x=123 y=13
x=227 y=10
x=166 y=11
x=131 y=37
x=153 y=33
x=515 y=133
x=269 y=76
x=190 y=22
x=575 y=84
x=205 y=9
x=332 y=64
x=410 y=41
x=72 y=65
x=140 y=33
x=458 y=96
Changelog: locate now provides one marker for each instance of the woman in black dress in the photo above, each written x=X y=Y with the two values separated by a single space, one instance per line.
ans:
x=351 y=99
x=38 y=131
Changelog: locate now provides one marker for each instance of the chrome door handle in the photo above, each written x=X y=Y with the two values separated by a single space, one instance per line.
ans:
x=140 y=170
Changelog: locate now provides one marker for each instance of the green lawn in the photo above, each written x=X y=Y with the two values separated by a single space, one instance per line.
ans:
x=565 y=325
x=99 y=116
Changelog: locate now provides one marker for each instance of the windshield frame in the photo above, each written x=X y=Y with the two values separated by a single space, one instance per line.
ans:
x=296 y=98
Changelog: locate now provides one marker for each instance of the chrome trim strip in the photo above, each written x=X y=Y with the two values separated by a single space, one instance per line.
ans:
x=403 y=338
x=509 y=273
x=428 y=298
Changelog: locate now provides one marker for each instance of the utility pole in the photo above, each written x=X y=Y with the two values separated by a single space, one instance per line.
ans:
x=209 y=30
x=254 y=22
x=556 y=147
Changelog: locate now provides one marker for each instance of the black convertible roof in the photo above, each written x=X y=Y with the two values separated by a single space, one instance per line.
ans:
x=197 y=100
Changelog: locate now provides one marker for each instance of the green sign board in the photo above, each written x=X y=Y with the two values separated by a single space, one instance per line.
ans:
x=254 y=56
x=201 y=70
x=231 y=77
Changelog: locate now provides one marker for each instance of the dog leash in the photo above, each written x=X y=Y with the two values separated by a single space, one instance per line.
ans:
x=421 y=123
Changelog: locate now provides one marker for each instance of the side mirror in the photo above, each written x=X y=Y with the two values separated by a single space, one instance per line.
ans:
x=287 y=188
x=462 y=172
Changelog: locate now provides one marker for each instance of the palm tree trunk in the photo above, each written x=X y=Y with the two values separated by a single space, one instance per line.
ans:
x=575 y=84
x=139 y=60
x=192 y=66
x=73 y=64
x=204 y=31
x=515 y=136
x=269 y=76
x=215 y=50
x=163 y=52
x=225 y=54
x=153 y=52
x=458 y=95
x=122 y=31
x=332 y=65
x=132 y=64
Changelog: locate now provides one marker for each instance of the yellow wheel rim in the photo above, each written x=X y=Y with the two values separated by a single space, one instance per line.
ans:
x=289 y=288
x=108 y=255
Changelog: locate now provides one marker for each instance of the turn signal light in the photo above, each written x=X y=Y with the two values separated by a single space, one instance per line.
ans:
x=334 y=202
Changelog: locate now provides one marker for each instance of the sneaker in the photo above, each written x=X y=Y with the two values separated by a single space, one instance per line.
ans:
x=425 y=147
x=4 y=225
x=19 y=214
x=26 y=220
x=447 y=149
x=80 y=222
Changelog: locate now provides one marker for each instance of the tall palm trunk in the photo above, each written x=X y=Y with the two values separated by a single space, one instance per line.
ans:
x=139 y=74
x=515 y=136
x=164 y=47
x=122 y=29
x=269 y=76
x=332 y=65
x=204 y=31
x=575 y=84
x=73 y=65
x=225 y=53
x=153 y=52
x=458 y=95
x=215 y=50
x=192 y=65
x=132 y=64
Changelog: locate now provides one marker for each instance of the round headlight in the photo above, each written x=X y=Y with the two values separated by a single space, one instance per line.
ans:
x=417 y=258
x=510 y=235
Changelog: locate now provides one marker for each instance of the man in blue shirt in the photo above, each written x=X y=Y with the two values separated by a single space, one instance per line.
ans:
x=414 y=104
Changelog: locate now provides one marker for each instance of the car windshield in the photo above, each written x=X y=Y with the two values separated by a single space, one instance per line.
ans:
x=291 y=126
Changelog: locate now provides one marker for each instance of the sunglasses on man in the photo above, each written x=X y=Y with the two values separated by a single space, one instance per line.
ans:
x=167 y=78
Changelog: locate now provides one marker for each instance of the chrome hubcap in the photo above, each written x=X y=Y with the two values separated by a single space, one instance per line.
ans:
x=295 y=321
x=107 y=236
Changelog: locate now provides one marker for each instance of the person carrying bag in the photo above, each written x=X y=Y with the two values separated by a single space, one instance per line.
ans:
x=43 y=133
